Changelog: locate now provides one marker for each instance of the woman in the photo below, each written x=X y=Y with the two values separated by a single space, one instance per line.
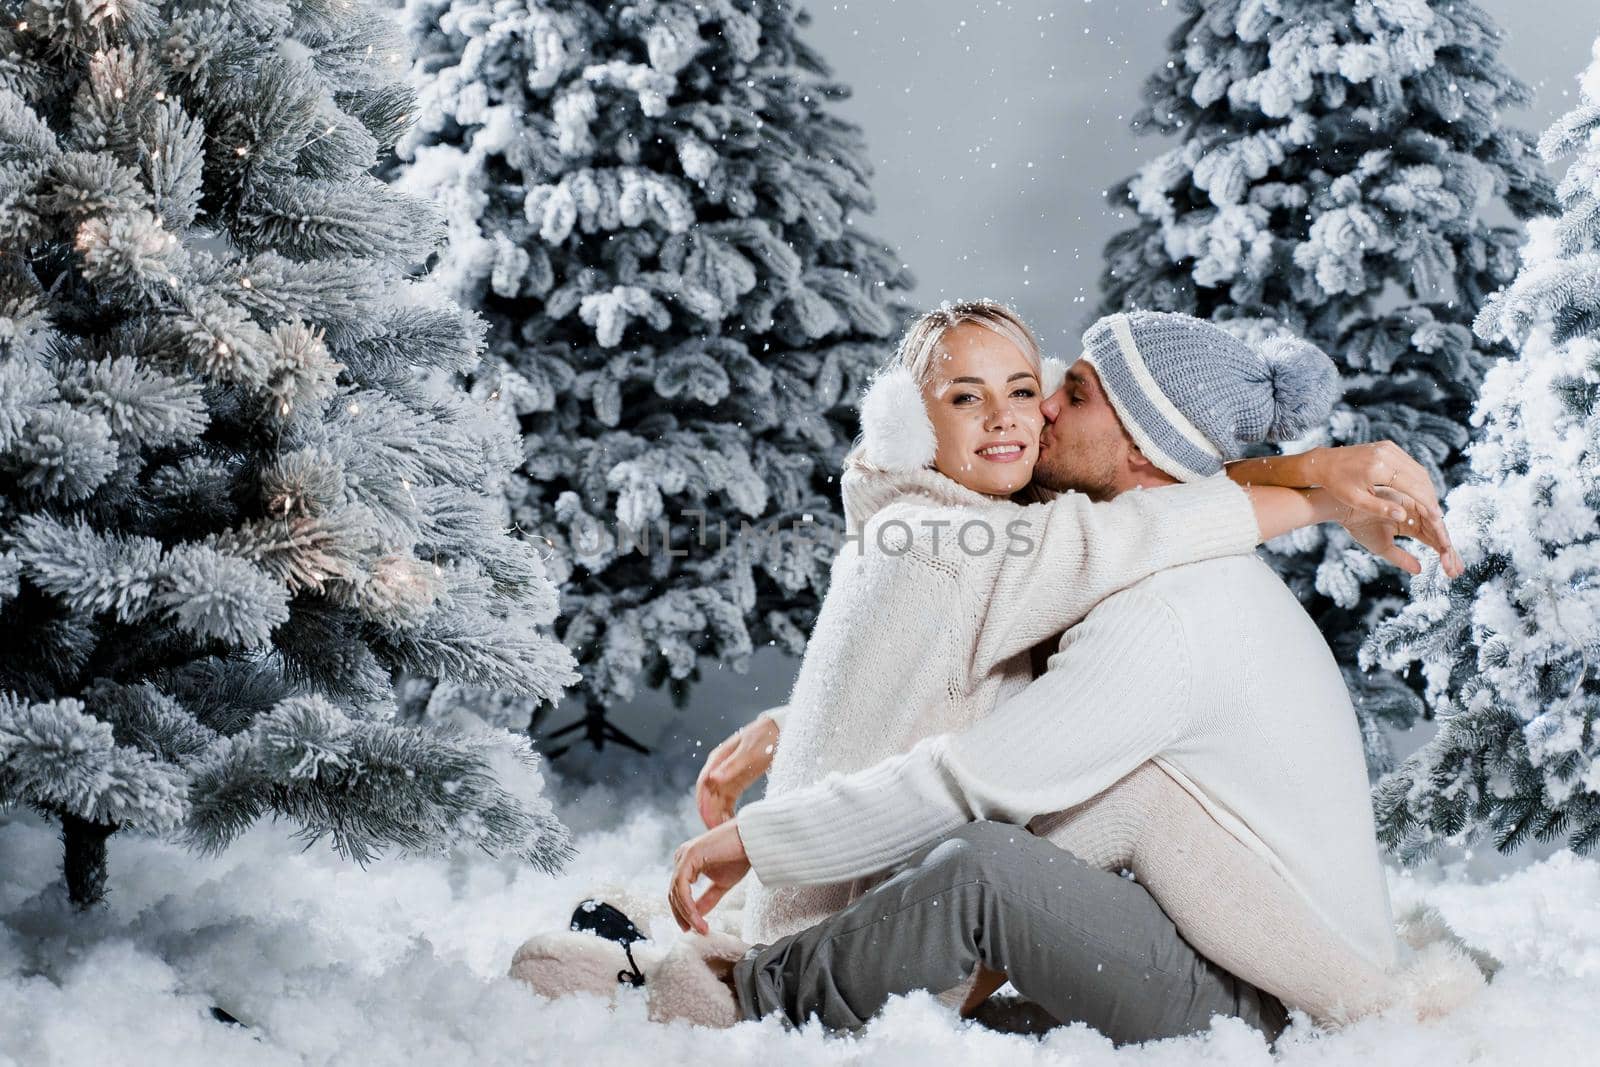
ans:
x=965 y=388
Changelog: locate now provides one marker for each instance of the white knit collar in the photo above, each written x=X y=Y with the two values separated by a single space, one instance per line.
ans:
x=866 y=492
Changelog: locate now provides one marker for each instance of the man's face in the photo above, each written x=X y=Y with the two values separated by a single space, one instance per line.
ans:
x=1083 y=446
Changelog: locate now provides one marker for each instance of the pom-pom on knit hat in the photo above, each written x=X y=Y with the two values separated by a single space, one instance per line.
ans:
x=1193 y=396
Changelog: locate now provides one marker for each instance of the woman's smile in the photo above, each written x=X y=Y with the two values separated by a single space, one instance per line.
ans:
x=1003 y=451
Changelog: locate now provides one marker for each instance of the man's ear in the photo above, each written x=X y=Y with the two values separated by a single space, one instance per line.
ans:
x=1143 y=472
x=1138 y=463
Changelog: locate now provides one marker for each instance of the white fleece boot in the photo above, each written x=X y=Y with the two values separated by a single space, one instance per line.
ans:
x=687 y=981
x=692 y=981
x=1438 y=979
x=642 y=908
x=564 y=962
x=1444 y=971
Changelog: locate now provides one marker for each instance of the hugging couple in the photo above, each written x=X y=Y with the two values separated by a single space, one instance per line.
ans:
x=983 y=738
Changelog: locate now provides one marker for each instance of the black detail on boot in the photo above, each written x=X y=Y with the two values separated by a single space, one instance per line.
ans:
x=598 y=917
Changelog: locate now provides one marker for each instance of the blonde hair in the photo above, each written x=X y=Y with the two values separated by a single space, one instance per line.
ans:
x=924 y=338
x=923 y=341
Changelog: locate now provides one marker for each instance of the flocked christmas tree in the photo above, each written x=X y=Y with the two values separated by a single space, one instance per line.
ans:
x=238 y=496
x=1337 y=166
x=1511 y=649
x=651 y=203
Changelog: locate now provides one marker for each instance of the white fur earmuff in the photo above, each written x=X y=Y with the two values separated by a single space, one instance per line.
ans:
x=1054 y=372
x=896 y=433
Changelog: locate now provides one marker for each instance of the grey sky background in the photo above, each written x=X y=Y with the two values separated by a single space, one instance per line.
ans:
x=994 y=129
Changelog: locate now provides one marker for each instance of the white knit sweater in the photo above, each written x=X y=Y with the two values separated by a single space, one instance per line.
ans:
x=918 y=636
x=1212 y=670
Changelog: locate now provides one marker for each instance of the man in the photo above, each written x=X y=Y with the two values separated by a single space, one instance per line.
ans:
x=1212 y=670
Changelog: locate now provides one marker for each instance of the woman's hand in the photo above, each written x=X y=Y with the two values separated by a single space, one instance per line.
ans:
x=1376 y=532
x=732 y=767
x=1374 y=490
x=718 y=855
x=1353 y=474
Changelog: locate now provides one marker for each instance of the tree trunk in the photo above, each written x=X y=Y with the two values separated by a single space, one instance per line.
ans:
x=84 y=862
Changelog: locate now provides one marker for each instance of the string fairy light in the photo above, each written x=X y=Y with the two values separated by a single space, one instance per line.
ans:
x=332 y=127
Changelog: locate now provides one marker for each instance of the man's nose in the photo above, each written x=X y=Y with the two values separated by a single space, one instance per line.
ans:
x=1051 y=407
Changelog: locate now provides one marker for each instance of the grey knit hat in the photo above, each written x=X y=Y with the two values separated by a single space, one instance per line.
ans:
x=1194 y=396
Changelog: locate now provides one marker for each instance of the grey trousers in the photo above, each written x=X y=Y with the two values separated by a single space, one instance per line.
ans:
x=1083 y=944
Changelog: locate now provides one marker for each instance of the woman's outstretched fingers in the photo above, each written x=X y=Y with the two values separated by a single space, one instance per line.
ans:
x=1406 y=475
x=678 y=892
x=1438 y=538
x=1423 y=523
x=710 y=899
x=1403 y=559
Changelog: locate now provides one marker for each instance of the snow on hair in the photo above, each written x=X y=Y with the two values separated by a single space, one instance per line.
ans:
x=896 y=433
x=923 y=339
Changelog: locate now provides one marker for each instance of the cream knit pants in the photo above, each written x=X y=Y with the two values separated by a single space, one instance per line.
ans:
x=1225 y=899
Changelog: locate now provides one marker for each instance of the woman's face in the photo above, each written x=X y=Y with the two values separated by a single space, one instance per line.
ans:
x=983 y=399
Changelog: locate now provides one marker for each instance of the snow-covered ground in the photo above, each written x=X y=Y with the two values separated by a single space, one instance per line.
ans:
x=404 y=962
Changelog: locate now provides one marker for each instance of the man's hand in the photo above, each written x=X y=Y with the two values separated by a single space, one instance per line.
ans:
x=732 y=767
x=719 y=855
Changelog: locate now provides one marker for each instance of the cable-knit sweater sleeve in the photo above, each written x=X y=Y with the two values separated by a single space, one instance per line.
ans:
x=1115 y=695
x=1082 y=551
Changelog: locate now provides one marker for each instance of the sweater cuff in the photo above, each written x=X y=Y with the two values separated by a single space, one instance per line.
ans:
x=1217 y=516
x=762 y=828
x=848 y=826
